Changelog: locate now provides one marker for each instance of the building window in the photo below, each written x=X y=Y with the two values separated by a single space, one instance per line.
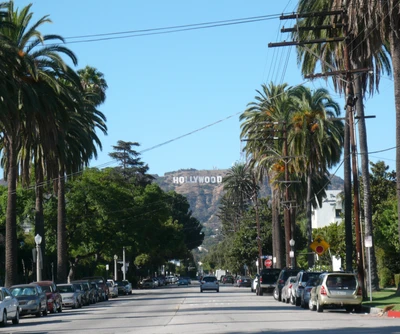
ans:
x=338 y=212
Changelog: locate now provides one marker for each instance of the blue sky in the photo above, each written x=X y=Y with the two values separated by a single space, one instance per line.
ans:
x=165 y=86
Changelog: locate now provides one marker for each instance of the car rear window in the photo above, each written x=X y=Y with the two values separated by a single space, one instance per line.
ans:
x=341 y=282
x=307 y=276
x=209 y=279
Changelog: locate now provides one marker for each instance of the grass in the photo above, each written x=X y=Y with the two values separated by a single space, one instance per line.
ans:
x=383 y=298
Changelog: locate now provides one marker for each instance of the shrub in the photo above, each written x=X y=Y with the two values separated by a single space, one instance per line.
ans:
x=385 y=277
x=397 y=280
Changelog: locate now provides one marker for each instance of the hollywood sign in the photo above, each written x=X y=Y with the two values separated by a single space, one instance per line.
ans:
x=196 y=179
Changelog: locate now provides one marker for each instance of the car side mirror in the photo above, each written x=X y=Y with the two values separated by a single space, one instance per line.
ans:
x=7 y=297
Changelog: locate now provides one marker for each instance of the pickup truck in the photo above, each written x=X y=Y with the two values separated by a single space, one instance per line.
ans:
x=267 y=280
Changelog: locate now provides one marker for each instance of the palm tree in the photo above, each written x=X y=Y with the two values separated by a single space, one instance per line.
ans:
x=319 y=139
x=264 y=120
x=368 y=49
x=34 y=71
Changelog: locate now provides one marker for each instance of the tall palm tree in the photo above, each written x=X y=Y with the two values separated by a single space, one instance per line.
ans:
x=318 y=137
x=367 y=49
x=31 y=71
x=76 y=146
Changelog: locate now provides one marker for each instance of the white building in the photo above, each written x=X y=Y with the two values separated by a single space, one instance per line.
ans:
x=332 y=208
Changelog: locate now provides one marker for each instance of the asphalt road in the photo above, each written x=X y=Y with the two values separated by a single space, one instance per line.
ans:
x=184 y=309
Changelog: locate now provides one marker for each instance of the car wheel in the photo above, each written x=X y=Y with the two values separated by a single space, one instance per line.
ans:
x=320 y=308
x=39 y=313
x=201 y=290
x=217 y=290
x=292 y=300
x=45 y=311
x=53 y=308
x=297 y=301
x=15 y=321
x=59 y=310
x=260 y=292
x=287 y=300
x=276 y=295
x=302 y=305
x=310 y=305
x=3 y=321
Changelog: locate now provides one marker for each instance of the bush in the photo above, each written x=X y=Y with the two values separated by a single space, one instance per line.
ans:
x=385 y=278
x=397 y=280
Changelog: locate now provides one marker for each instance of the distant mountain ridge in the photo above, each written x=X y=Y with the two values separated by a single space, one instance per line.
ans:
x=204 y=190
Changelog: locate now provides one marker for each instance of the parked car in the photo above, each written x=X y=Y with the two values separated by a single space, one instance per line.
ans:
x=243 y=281
x=124 y=287
x=299 y=285
x=228 y=279
x=9 y=307
x=305 y=295
x=54 y=299
x=183 y=281
x=336 y=290
x=92 y=288
x=209 y=283
x=32 y=299
x=267 y=280
x=286 y=289
x=112 y=288
x=254 y=283
x=71 y=297
x=147 y=283
x=85 y=290
x=101 y=284
x=282 y=278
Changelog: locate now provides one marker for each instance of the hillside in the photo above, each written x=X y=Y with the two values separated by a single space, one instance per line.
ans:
x=204 y=190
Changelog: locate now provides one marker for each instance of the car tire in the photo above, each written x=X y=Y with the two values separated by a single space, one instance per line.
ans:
x=59 y=310
x=276 y=295
x=53 y=308
x=201 y=290
x=260 y=292
x=45 y=311
x=292 y=300
x=217 y=290
x=3 y=321
x=310 y=305
x=302 y=305
x=297 y=301
x=320 y=308
x=39 y=313
x=15 y=321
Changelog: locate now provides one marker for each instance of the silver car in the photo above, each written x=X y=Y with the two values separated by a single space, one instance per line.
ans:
x=209 y=283
x=71 y=297
x=9 y=307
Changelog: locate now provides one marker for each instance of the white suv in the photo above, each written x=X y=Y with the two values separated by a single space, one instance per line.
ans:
x=209 y=283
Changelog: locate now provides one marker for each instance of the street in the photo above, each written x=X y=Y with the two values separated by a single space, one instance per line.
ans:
x=183 y=309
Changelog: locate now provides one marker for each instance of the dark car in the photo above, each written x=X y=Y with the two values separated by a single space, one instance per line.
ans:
x=54 y=299
x=266 y=282
x=243 y=281
x=124 y=287
x=32 y=299
x=101 y=283
x=228 y=279
x=282 y=278
x=91 y=295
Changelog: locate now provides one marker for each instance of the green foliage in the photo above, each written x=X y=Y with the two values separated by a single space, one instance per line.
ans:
x=396 y=280
x=385 y=277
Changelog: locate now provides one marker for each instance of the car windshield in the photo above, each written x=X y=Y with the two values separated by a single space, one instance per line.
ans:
x=120 y=283
x=23 y=291
x=341 y=282
x=65 y=288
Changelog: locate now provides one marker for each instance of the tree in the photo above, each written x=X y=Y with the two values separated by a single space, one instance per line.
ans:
x=318 y=138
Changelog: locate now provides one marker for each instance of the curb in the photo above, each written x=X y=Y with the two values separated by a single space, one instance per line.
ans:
x=371 y=310
x=393 y=314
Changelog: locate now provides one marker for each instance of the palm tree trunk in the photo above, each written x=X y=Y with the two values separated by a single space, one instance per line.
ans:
x=347 y=197
x=277 y=232
x=39 y=219
x=395 y=53
x=11 y=216
x=362 y=132
x=310 y=256
x=61 y=230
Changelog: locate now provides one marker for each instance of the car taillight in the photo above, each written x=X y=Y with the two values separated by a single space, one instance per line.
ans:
x=260 y=280
x=290 y=286
x=359 y=291
x=323 y=290
x=281 y=281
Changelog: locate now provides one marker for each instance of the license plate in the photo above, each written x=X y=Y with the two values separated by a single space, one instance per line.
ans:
x=339 y=293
